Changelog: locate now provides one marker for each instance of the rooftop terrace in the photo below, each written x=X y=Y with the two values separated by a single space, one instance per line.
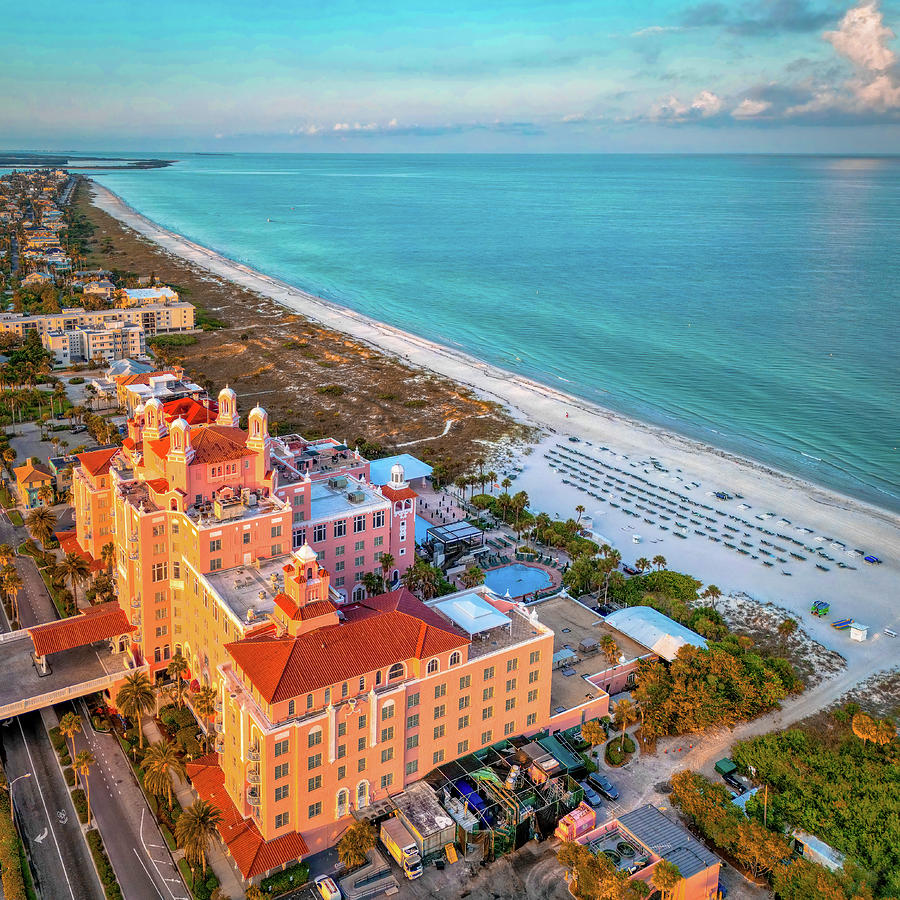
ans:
x=250 y=591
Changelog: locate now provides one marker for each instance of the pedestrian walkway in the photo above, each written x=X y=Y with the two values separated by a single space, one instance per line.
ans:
x=215 y=855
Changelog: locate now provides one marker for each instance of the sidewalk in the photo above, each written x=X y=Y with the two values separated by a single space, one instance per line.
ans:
x=216 y=857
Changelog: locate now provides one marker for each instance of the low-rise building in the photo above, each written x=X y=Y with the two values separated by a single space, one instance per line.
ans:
x=30 y=478
x=145 y=296
x=114 y=340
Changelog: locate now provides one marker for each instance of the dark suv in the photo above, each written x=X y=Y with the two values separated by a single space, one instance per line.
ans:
x=602 y=784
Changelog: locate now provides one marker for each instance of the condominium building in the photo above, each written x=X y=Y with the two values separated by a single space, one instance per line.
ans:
x=153 y=318
x=115 y=340
x=146 y=296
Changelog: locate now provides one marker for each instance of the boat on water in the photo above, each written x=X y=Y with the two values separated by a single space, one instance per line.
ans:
x=872 y=560
x=823 y=568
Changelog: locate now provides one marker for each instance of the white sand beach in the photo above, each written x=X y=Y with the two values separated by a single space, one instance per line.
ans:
x=660 y=474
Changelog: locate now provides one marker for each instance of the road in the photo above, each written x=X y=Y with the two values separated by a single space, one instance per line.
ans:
x=49 y=826
x=136 y=848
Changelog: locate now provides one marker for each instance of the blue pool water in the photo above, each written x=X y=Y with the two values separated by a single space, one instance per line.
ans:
x=749 y=301
x=517 y=579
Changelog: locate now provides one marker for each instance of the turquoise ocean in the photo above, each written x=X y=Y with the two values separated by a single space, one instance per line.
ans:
x=752 y=302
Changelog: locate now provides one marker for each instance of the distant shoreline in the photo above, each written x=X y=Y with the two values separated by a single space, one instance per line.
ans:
x=63 y=161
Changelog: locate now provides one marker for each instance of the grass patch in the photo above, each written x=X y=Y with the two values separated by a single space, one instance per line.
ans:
x=331 y=390
x=281 y=882
x=16 y=518
x=5 y=499
x=203 y=887
x=104 y=866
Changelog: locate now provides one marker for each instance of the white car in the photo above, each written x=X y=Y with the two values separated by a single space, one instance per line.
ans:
x=327 y=888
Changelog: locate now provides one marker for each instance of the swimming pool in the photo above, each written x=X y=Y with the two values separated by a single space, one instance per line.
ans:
x=518 y=579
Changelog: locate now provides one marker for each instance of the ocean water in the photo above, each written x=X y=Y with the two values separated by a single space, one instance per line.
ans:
x=752 y=302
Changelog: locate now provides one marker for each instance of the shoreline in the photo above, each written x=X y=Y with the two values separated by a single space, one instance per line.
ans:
x=521 y=395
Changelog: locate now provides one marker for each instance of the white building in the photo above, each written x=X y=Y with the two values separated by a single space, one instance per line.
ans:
x=114 y=340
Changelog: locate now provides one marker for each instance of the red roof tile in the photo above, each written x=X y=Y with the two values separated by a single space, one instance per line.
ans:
x=158 y=485
x=389 y=629
x=142 y=378
x=68 y=543
x=211 y=444
x=192 y=411
x=97 y=623
x=97 y=462
x=395 y=494
x=252 y=855
x=304 y=613
x=28 y=473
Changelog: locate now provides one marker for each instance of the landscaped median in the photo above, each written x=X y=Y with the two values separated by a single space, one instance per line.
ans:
x=16 y=877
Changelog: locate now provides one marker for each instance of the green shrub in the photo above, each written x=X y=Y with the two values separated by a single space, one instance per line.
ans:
x=292 y=877
x=614 y=756
x=204 y=886
x=331 y=390
x=168 y=715
x=104 y=867
x=69 y=774
x=186 y=738
x=65 y=759
x=76 y=380
x=184 y=718
x=16 y=518
x=57 y=739
x=10 y=852
x=79 y=801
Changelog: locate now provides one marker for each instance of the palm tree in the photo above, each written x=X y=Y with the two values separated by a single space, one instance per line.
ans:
x=666 y=877
x=492 y=477
x=473 y=576
x=108 y=555
x=659 y=561
x=69 y=726
x=610 y=648
x=7 y=554
x=45 y=494
x=642 y=564
x=82 y=763
x=177 y=668
x=505 y=484
x=580 y=510
x=387 y=561
x=373 y=583
x=204 y=702
x=195 y=828
x=624 y=715
x=159 y=761
x=12 y=584
x=74 y=569
x=40 y=523
x=712 y=593
x=135 y=698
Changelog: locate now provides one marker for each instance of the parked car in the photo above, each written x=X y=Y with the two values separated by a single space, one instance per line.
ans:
x=603 y=785
x=327 y=888
x=591 y=797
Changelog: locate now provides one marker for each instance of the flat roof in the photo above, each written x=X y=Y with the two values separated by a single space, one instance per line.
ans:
x=380 y=469
x=669 y=840
x=325 y=501
x=659 y=633
x=471 y=612
x=250 y=587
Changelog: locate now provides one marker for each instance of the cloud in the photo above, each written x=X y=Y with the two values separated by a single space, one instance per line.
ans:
x=862 y=37
x=768 y=17
x=748 y=108
x=656 y=29
x=705 y=105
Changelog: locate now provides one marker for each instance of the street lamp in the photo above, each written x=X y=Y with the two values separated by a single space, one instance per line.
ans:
x=9 y=787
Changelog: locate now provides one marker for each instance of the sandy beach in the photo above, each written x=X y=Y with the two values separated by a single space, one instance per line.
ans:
x=634 y=479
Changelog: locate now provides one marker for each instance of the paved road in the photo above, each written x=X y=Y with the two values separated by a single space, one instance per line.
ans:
x=48 y=823
x=135 y=846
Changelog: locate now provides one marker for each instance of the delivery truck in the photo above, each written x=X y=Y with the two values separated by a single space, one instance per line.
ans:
x=402 y=846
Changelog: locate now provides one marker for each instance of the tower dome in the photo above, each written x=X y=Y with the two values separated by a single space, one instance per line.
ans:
x=154 y=420
x=228 y=412
x=397 y=476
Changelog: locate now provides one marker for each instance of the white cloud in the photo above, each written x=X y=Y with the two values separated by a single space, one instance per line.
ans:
x=707 y=104
x=863 y=38
x=656 y=29
x=703 y=106
x=748 y=108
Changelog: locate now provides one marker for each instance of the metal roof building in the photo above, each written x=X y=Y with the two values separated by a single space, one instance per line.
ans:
x=413 y=469
x=669 y=840
x=664 y=636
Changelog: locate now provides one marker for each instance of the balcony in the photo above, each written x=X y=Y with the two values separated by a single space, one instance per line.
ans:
x=135 y=602
x=136 y=620
x=219 y=721
x=253 y=754
x=218 y=705
x=253 y=796
x=253 y=776
x=219 y=743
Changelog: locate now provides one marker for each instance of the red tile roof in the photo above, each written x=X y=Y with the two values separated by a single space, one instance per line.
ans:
x=158 y=485
x=97 y=623
x=304 y=613
x=68 y=543
x=97 y=462
x=387 y=629
x=252 y=855
x=192 y=411
x=211 y=444
x=28 y=473
x=395 y=494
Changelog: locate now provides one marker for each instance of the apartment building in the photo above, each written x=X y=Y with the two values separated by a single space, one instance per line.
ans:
x=153 y=318
x=115 y=340
x=147 y=296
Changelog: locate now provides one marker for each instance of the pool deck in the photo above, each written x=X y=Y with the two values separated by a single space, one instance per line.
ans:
x=554 y=574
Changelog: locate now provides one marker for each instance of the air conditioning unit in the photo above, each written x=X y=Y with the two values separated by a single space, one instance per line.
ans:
x=338 y=482
x=356 y=496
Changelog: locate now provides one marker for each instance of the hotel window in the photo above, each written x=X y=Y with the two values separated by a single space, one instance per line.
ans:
x=159 y=549
x=315 y=809
x=464 y=702
x=412 y=742
x=345 y=690
x=412 y=721
x=412 y=700
x=340 y=528
x=215 y=565
x=246 y=537
x=440 y=711
x=291 y=709
x=439 y=732
x=359 y=545
x=283 y=818
x=387 y=754
x=387 y=734
x=281 y=792
x=362 y=683
x=342 y=772
x=339 y=581
x=487 y=712
x=510 y=684
x=359 y=562
x=176 y=570
x=465 y=682
x=341 y=751
x=162 y=631
x=509 y=728
x=361 y=744
x=438 y=757
x=462 y=747
x=532 y=696
x=314 y=761
x=159 y=596
x=157 y=655
x=412 y=767
x=488 y=673
x=455 y=658
x=535 y=657
x=312 y=784
x=309 y=701
x=433 y=666
x=159 y=530
x=275 y=550
x=378 y=519
x=339 y=551
x=281 y=747
x=160 y=571
x=339 y=566
x=160 y=613
x=532 y=718
x=387 y=711
x=510 y=704
x=512 y=664
x=487 y=693
x=462 y=722
x=314 y=738
x=486 y=736
x=378 y=542
x=281 y=770
x=361 y=765
x=387 y=780
x=440 y=690
x=319 y=533
x=215 y=546
x=533 y=676
x=362 y=721
x=327 y=696
x=359 y=524
x=276 y=531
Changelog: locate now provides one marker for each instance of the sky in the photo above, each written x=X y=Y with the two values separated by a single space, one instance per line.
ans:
x=460 y=76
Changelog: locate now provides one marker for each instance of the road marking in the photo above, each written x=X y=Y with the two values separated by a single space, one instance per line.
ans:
x=40 y=838
x=155 y=866
x=44 y=803
x=149 y=876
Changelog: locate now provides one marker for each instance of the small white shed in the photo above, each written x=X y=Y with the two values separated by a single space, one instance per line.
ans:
x=858 y=632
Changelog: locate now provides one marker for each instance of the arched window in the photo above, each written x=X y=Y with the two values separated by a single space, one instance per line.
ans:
x=455 y=658
x=397 y=670
x=378 y=678
x=343 y=803
x=362 y=794
x=309 y=574
x=173 y=504
x=432 y=667
x=407 y=504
